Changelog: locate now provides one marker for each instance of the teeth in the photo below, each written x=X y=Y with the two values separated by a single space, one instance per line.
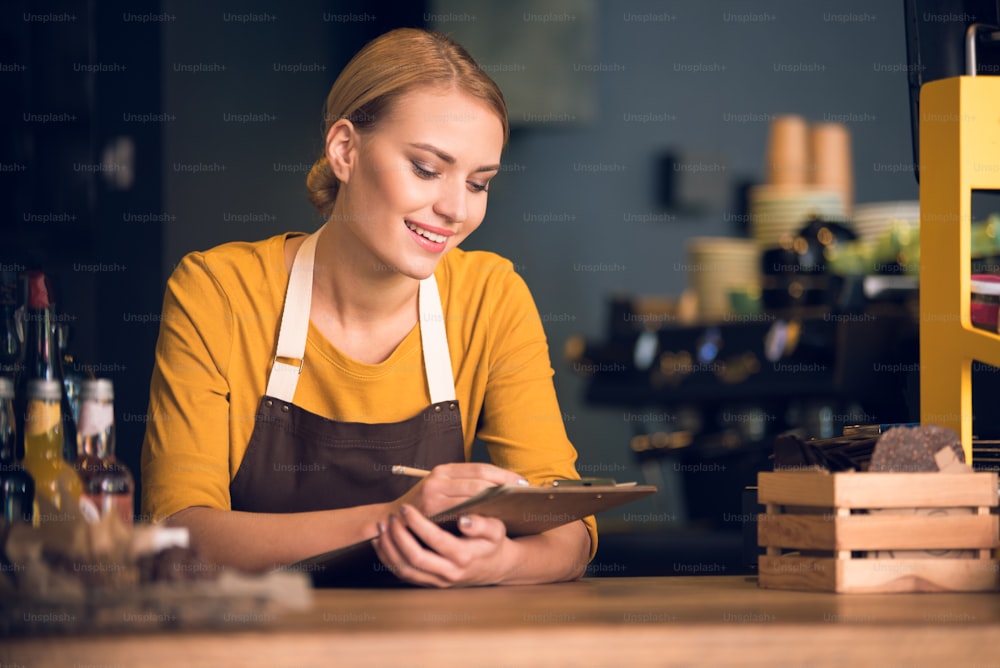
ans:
x=436 y=238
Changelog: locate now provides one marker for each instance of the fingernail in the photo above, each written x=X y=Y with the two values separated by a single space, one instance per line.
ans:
x=402 y=511
x=381 y=528
x=465 y=521
x=523 y=483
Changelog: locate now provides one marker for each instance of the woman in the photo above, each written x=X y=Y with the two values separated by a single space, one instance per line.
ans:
x=291 y=374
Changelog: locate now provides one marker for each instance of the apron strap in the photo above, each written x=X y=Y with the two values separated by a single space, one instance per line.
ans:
x=434 y=340
x=290 y=356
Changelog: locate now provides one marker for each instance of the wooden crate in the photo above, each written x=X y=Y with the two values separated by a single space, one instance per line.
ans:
x=878 y=532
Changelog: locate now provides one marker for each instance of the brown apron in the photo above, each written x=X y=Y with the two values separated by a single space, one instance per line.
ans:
x=298 y=461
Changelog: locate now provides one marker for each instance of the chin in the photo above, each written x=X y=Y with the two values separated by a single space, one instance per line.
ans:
x=419 y=270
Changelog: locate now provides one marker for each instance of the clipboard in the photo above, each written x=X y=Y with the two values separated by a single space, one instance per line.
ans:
x=524 y=511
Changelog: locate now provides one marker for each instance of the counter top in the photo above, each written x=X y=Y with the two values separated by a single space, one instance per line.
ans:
x=697 y=620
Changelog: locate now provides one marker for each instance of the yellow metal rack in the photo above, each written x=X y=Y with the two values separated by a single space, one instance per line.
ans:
x=959 y=153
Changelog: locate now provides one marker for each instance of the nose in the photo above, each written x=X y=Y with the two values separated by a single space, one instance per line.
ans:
x=452 y=203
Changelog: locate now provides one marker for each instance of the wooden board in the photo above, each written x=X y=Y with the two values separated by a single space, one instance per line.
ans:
x=635 y=622
x=877 y=490
x=878 y=575
x=877 y=532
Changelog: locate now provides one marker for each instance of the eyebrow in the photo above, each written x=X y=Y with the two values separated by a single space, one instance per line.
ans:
x=450 y=159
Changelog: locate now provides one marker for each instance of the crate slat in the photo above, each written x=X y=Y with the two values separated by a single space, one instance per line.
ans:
x=877 y=532
x=877 y=490
x=861 y=576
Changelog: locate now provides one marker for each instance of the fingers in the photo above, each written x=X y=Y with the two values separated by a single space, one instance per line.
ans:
x=456 y=489
x=399 y=550
x=450 y=484
x=480 y=471
x=419 y=551
x=487 y=528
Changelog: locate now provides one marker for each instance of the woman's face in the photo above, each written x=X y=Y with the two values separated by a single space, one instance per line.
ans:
x=416 y=185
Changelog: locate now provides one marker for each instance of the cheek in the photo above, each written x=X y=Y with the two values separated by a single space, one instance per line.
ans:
x=391 y=185
x=477 y=211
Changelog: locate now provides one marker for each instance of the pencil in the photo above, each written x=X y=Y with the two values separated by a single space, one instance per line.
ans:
x=410 y=471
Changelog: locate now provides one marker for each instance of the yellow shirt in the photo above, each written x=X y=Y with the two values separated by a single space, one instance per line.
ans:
x=218 y=330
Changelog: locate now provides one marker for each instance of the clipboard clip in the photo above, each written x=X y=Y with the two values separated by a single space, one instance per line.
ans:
x=586 y=482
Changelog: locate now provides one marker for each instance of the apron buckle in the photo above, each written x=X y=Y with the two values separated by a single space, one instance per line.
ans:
x=290 y=361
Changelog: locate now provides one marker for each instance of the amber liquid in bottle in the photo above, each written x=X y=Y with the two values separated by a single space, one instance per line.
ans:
x=43 y=357
x=106 y=481
x=58 y=489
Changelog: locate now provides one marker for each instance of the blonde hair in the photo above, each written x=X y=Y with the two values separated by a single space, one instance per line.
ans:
x=386 y=68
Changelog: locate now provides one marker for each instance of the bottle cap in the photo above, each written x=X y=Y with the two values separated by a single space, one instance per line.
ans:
x=39 y=292
x=6 y=388
x=41 y=388
x=97 y=389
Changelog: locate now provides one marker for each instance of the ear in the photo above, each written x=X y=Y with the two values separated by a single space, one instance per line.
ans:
x=342 y=149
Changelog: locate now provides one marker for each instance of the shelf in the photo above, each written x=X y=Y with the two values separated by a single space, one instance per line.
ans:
x=959 y=154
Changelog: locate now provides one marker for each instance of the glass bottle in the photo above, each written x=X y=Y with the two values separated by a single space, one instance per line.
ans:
x=17 y=489
x=43 y=357
x=11 y=348
x=106 y=481
x=58 y=489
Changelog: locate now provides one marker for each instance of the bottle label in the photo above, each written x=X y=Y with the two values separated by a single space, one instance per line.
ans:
x=89 y=510
x=41 y=417
x=96 y=417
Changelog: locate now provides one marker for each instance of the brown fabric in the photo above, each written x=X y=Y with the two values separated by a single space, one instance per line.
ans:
x=298 y=461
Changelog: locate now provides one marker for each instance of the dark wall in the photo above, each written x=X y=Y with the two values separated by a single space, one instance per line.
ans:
x=102 y=99
x=81 y=183
x=579 y=208
x=244 y=86
x=176 y=80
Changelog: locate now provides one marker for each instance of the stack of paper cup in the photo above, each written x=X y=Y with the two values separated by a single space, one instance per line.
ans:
x=830 y=150
x=788 y=152
x=777 y=213
x=809 y=174
x=718 y=266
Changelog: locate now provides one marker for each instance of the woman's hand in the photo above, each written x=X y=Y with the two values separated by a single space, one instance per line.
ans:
x=448 y=485
x=444 y=559
x=482 y=555
x=418 y=551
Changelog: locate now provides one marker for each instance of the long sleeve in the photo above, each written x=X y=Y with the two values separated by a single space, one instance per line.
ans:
x=185 y=455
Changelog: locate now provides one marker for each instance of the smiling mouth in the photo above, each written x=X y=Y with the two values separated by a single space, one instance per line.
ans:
x=426 y=234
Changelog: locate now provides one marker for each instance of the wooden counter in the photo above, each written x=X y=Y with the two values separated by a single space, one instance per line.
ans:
x=707 y=620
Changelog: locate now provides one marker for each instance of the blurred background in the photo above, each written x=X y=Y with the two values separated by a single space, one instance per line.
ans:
x=134 y=133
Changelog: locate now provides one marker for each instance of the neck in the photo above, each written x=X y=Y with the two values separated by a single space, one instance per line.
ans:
x=354 y=287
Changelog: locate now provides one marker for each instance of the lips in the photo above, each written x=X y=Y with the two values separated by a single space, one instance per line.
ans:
x=432 y=240
x=427 y=234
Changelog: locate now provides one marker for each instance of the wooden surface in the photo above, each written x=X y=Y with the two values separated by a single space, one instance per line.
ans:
x=683 y=621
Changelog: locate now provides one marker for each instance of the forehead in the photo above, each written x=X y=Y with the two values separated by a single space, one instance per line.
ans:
x=452 y=119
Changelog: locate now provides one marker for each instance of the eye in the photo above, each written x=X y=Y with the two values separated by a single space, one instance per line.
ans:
x=423 y=171
x=479 y=187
